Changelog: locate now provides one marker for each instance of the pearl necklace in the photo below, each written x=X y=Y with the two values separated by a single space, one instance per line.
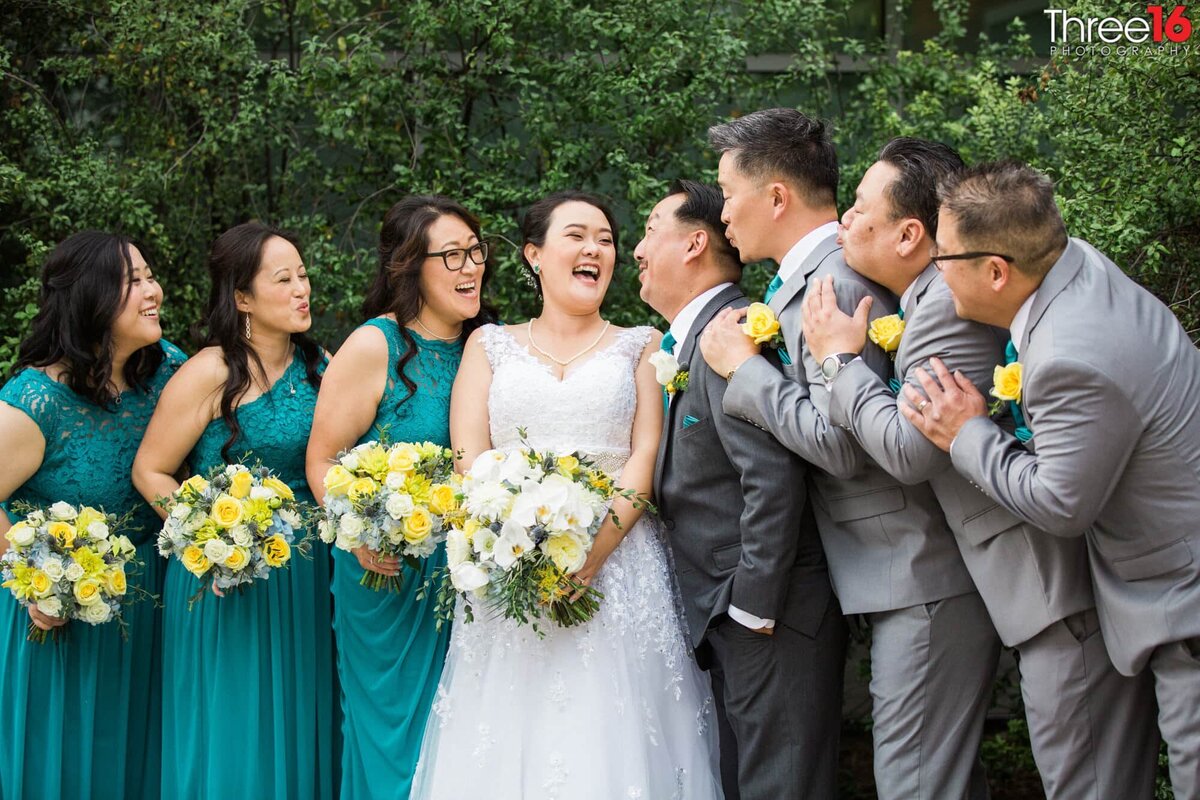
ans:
x=453 y=338
x=534 y=345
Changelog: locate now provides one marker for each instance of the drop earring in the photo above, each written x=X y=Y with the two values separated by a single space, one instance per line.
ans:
x=247 y=327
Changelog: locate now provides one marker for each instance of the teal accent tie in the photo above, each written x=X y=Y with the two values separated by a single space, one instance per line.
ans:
x=895 y=383
x=1022 y=432
x=772 y=288
x=900 y=313
x=668 y=345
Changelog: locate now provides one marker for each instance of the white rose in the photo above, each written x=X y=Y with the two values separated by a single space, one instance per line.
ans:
x=241 y=536
x=458 y=547
x=262 y=493
x=566 y=551
x=468 y=577
x=98 y=530
x=395 y=481
x=350 y=525
x=665 y=366
x=181 y=511
x=291 y=517
x=22 y=535
x=95 y=614
x=73 y=572
x=350 y=461
x=325 y=531
x=53 y=567
x=233 y=469
x=399 y=506
x=217 y=550
x=513 y=543
x=61 y=510
x=50 y=606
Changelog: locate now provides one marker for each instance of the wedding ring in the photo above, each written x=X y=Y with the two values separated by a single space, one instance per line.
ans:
x=921 y=406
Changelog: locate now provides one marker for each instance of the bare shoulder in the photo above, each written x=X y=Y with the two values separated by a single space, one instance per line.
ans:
x=203 y=372
x=365 y=344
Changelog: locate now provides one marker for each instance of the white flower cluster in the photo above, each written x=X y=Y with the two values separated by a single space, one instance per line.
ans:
x=68 y=563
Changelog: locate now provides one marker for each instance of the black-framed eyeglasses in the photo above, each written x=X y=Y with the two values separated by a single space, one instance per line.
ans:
x=456 y=258
x=937 y=258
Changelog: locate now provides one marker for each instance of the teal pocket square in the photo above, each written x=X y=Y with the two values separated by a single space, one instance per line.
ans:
x=784 y=357
x=689 y=420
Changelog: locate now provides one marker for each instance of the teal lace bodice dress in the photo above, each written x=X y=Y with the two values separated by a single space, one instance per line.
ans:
x=390 y=652
x=249 y=707
x=80 y=717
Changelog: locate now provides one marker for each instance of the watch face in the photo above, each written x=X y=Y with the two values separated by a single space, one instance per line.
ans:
x=829 y=367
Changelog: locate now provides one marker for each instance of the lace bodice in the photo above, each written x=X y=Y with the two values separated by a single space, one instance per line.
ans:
x=591 y=410
x=89 y=450
x=425 y=416
x=275 y=429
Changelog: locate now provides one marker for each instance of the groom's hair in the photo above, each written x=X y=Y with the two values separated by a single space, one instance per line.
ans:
x=782 y=143
x=920 y=165
x=703 y=207
x=1007 y=207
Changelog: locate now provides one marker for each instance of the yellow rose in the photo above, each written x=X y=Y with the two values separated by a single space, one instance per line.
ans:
x=64 y=532
x=403 y=457
x=418 y=525
x=442 y=499
x=887 y=332
x=1006 y=382
x=226 y=511
x=238 y=559
x=760 y=324
x=337 y=480
x=276 y=551
x=279 y=487
x=568 y=465
x=194 y=560
x=373 y=460
x=240 y=484
x=87 y=515
x=87 y=592
x=362 y=489
x=20 y=533
x=115 y=579
x=566 y=552
x=40 y=583
x=195 y=485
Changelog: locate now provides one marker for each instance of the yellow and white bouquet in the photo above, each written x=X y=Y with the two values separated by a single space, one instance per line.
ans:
x=69 y=563
x=393 y=499
x=531 y=518
x=233 y=527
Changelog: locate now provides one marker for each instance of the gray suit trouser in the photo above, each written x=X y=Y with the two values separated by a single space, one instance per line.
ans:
x=932 y=668
x=1176 y=668
x=1092 y=728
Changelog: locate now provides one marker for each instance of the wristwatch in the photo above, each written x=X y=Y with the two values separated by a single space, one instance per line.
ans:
x=832 y=365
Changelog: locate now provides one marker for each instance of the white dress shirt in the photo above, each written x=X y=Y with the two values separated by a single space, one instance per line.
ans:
x=804 y=248
x=1016 y=328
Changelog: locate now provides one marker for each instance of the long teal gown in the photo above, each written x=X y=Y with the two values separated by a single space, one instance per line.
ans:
x=249 y=678
x=80 y=717
x=390 y=653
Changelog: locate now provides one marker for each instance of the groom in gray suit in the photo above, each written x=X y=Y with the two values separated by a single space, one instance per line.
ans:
x=1107 y=387
x=891 y=554
x=1091 y=728
x=751 y=571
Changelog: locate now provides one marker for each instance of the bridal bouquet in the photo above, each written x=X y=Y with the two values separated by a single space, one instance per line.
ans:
x=235 y=526
x=395 y=500
x=68 y=563
x=530 y=522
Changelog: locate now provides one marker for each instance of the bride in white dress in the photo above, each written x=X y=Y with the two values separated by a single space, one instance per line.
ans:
x=615 y=707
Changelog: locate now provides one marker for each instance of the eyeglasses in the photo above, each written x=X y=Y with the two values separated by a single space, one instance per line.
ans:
x=937 y=259
x=456 y=258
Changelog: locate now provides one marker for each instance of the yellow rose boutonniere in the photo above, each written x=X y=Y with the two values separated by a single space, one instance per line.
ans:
x=762 y=326
x=1006 y=382
x=887 y=332
x=672 y=375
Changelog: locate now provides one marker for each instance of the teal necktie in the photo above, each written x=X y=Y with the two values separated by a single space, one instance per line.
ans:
x=1022 y=432
x=894 y=382
x=772 y=288
x=668 y=345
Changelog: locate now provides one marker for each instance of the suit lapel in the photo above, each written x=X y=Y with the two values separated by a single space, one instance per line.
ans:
x=920 y=287
x=1061 y=274
x=795 y=284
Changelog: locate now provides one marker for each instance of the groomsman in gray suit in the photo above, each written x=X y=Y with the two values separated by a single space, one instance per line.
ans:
x=751 y=571
x=891 y=554
x=1092 y=729
x=1107 y=389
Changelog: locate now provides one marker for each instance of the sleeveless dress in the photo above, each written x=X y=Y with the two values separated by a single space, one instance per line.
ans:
x=81 y=717
x=249 y=677
x=613 y=708
x=390 y=651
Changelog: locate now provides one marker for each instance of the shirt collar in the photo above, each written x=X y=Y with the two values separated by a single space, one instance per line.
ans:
x=1016 y=328
x=684 y=320
x=908 y=293
x=804 y=248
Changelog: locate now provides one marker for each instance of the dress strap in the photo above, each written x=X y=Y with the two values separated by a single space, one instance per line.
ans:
x=33 y=392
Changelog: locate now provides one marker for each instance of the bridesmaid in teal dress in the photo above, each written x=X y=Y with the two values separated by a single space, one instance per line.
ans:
x=80 y=717
x=392 y=378
x=249 y=695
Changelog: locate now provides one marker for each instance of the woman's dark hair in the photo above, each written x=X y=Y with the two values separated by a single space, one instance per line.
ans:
x=537 y=223
x=403 y=243
x=85 y=281
x=233 y=263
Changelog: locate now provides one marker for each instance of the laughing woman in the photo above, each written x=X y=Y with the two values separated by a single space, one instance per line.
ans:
x=80 y=717
x=392 y=377
x=248 y=710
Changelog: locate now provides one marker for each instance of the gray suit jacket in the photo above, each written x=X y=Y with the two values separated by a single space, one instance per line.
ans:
x=1111 y=382
x=1028 y=580
x=733 y=502
x=888 y=544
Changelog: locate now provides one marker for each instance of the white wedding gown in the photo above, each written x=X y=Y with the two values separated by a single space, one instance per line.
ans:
x=613 y=708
